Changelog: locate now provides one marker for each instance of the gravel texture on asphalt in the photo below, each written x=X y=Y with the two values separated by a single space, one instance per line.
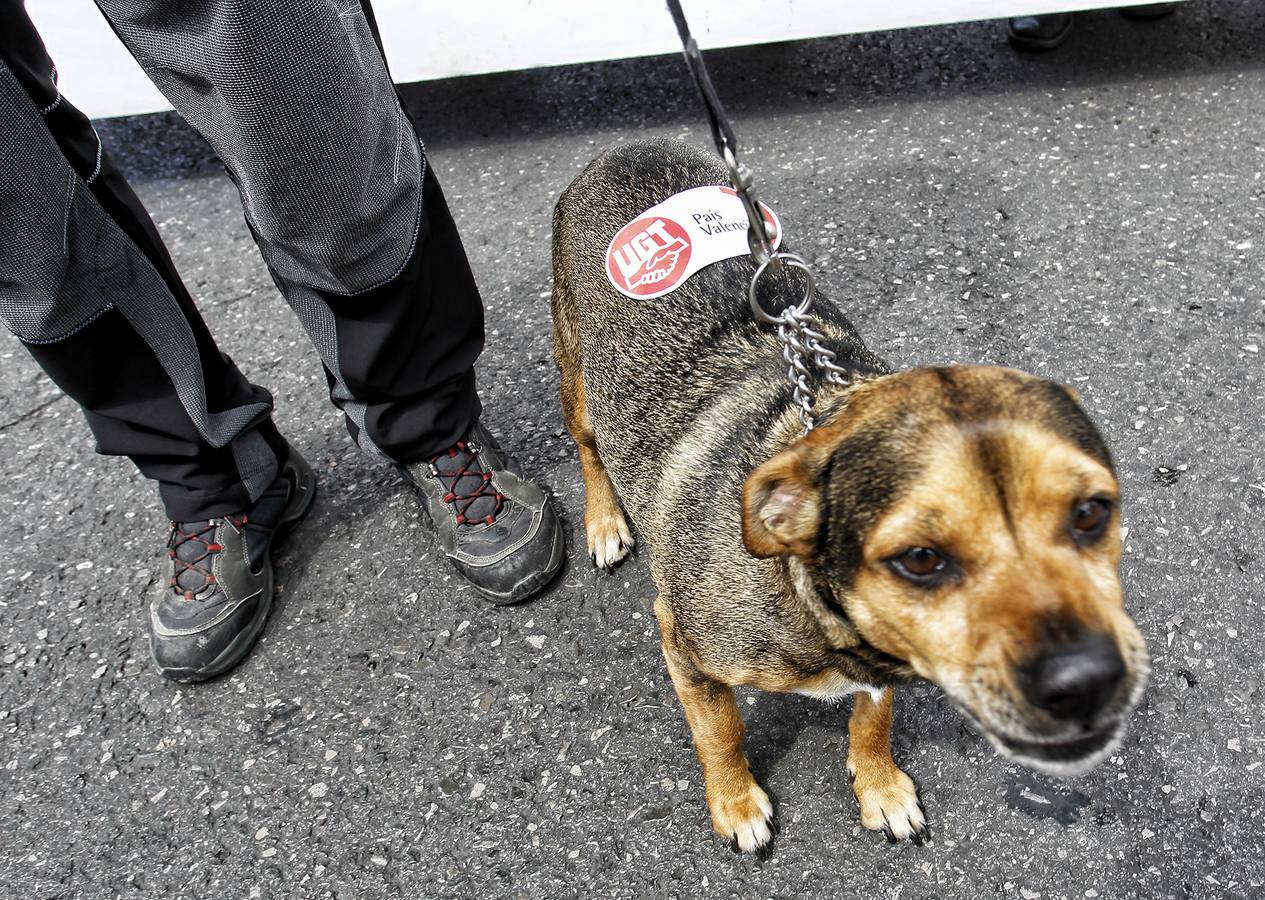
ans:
x=1095 y=215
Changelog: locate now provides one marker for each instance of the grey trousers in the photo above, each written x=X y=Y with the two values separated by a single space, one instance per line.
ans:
x=295 y=98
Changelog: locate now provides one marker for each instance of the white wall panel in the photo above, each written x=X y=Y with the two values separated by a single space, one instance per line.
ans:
x=428 y=39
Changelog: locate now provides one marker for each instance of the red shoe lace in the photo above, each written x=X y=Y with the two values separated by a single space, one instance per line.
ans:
x=463 y=501
x=180 y=537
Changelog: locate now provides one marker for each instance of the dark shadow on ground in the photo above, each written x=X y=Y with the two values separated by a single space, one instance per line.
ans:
x=912 y=65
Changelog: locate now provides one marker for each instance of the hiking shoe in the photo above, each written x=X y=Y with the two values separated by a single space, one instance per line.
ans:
x=219 y=580
x=1039 y=32
x=498 y=529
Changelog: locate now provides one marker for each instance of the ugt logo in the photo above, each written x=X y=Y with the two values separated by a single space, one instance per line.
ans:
x=648 y=256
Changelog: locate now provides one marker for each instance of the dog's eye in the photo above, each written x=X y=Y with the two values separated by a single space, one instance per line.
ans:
x=1089 y=520
x=921 y=565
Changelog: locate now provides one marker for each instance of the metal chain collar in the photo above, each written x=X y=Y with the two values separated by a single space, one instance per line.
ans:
x=802 y=344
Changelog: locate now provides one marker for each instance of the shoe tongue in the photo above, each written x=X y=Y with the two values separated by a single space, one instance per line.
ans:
x=191 y=540
x=463 y=484
x=255 y=526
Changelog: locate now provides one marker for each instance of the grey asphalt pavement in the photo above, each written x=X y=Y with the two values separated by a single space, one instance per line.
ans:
x=1096 y=215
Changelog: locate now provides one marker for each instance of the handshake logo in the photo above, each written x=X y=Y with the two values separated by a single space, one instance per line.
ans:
x=648 y=256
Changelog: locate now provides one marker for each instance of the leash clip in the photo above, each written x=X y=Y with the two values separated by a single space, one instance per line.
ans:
x=758 y=237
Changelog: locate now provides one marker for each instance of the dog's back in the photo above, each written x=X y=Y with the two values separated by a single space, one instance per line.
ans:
x=653 y=369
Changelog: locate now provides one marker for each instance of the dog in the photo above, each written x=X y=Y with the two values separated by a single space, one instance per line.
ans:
x=958 y=524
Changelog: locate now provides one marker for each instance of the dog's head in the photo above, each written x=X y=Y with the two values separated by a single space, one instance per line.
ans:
x=966 y=520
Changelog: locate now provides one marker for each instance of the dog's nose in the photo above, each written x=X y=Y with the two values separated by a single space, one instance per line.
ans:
x=1074 y=681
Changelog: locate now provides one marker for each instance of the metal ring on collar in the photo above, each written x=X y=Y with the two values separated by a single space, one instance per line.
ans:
x=800 y=308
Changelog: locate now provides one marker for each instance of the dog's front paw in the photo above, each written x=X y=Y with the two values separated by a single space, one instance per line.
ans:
x=889 y=803
x=743 y=817
x=610 y=539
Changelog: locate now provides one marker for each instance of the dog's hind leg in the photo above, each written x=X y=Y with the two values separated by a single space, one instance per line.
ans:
x=888 y=798
x=608 y=533
x=741 y=811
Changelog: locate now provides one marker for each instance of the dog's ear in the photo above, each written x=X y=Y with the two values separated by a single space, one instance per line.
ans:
x=781 y=503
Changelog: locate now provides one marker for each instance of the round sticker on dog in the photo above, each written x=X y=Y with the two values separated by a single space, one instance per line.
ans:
x=672 y=240
x=648 y=257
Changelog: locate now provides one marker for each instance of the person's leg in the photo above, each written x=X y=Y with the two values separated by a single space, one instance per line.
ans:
x=87 y=286
x=295 y=98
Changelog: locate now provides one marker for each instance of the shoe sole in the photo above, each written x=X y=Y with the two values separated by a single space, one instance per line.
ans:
x=239 y=647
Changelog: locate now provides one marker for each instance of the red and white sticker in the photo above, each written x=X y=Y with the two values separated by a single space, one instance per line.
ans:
x=669 y=242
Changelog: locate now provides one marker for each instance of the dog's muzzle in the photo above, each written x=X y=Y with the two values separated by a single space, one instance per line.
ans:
x=1072 y=705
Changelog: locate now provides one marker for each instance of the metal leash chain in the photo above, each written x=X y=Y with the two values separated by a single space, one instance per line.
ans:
x=802 y=345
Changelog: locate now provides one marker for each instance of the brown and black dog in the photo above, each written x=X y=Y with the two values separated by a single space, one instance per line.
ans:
x=959 y=524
